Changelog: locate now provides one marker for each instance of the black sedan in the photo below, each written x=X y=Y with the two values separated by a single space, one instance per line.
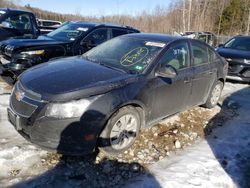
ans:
x=104 y=97
x=237 y=53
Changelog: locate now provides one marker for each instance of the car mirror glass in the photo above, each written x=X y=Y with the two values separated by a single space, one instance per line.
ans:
x=167 y=72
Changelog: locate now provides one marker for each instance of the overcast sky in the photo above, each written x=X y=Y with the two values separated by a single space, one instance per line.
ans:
x=97 y=7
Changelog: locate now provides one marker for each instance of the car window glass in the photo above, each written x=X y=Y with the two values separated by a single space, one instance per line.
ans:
x=69 y=32
x=212 y=56
x=118 y=32
x=177 y=56
x=200 y=53
x=126 y=53
x=98 y=36
x=19 y=22
x=240 y=43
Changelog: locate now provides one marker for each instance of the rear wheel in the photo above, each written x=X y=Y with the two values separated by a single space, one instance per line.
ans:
x=121 y=131
x=214 y=95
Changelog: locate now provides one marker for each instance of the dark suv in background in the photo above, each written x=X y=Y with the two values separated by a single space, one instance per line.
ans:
x=237 y=53
x=73 y=38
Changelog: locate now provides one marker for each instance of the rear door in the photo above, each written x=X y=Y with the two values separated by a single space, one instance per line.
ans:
x=172 y=95
x=204 y=74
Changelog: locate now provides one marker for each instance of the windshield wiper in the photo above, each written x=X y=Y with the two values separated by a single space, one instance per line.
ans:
x=111 y=67
x=103 y=64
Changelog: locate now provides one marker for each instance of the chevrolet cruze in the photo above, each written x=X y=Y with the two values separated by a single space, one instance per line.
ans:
x=103 y=98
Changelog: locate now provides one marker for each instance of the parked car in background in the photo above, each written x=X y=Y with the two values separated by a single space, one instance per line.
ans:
x=73 y=38
x=205 y=36
x=17 y=23
x=103 y=98
x=47 y=26
x=49 y=23
x=237 y=53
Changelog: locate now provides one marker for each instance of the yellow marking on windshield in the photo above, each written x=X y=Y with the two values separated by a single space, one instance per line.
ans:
x=134 y=56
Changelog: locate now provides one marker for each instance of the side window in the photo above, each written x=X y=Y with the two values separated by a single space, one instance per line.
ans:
x=20 y=22
x=177 y=56
x=200 y=53
x=212 y=56
x=118 y=32
x=98 y=36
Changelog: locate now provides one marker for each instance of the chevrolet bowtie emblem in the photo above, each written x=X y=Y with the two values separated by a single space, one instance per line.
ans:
x=19 y=95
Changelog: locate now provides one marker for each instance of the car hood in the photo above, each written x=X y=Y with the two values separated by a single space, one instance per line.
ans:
x=40 y=41
x=234 y=54
x=72 y=78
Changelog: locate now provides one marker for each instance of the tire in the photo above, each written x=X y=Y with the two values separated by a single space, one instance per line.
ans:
x=214 y=95
x=121 y=131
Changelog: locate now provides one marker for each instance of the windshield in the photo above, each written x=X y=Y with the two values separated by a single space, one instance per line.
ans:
x=241 y=43
x=68 y=32
x=130 y=55
x=16 y=21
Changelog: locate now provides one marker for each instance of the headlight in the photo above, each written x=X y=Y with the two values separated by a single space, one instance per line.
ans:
x=247 y=61
x=36 y=52
x=70 y=109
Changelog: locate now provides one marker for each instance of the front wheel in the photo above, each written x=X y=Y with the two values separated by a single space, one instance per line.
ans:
x=121 y=131
x=214 y=95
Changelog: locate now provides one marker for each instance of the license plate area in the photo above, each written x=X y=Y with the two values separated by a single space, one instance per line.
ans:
x=14 y=119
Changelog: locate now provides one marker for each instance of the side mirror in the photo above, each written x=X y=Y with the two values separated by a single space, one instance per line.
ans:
x=221 y=45
x=166 y=72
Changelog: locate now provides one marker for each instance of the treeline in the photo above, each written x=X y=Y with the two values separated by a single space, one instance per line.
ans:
x=228 y=17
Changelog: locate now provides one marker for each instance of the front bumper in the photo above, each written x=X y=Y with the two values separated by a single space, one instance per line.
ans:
x=18 y=63
x=72 y=136
x=239 y=72
x=66 y=136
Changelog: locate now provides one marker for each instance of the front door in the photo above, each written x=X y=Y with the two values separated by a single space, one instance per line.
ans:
x=172 y=95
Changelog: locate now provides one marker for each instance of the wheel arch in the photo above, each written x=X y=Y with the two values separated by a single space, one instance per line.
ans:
x=135 y=104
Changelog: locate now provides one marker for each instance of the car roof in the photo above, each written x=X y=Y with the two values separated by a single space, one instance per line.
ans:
x=156 y=37
x=99 y=24
x=242 y=36
x=15 y=10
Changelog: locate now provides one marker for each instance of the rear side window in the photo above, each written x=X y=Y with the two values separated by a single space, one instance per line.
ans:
x=177 y=56
x=118 y=32
x=200 y=53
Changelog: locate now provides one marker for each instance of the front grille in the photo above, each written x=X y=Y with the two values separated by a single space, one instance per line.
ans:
x=22 y=107
x=28 y=93
x=22 y=102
